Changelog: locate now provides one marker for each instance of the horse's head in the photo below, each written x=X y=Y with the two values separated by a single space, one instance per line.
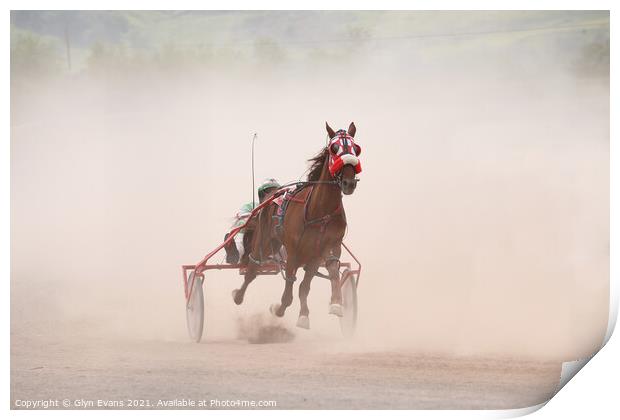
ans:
x=344 y=162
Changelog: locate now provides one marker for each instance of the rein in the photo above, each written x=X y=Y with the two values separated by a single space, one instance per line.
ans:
x=299 y=184
x=337 y=181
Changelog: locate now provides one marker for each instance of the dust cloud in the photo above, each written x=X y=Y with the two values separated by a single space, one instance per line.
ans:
x=263 y=329
x=481 y=218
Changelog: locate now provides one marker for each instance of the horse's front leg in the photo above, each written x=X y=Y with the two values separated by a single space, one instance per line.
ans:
x=290 y=272
x=304 y=289
x=332 y=264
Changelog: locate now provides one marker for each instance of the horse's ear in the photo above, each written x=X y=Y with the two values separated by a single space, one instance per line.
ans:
x=331 y=132
x=352 y=129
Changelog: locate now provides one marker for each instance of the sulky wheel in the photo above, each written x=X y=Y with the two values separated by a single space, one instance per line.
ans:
x=195 y=307
x=348 y=321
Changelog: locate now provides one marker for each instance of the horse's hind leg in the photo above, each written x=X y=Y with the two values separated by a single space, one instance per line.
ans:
x=250 y=272
x=304 y=289
x=259 y=247
x=250 y=275
x=290 y=272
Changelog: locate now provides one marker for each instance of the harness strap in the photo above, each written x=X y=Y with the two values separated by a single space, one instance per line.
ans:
x=281 y=212
x=296 y=200
x=321 y=222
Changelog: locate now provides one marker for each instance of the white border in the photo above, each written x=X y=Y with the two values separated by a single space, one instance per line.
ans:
x=575 y=400
x=311 y=5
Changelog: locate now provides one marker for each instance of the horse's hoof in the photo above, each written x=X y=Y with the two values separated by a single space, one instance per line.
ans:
x=303 y=322
x=336 y=309
x=235 y=293
x=273 y=308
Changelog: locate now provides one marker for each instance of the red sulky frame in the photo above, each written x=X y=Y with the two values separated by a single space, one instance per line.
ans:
x=265 y=269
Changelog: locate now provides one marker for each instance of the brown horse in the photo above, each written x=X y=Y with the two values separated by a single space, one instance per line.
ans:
x=312 y=228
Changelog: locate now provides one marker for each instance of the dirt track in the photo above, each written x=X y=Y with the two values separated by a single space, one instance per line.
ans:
x=304 y=374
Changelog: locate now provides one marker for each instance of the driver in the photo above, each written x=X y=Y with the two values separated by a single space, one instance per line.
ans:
x=234 y=249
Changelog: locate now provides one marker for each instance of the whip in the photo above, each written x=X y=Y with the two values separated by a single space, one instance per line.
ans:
x=253 y=201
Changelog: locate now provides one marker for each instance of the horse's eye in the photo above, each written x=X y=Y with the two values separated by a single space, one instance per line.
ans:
x=335 y=147
x=358 y=150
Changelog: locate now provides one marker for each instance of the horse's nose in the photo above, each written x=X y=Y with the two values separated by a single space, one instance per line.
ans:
x=348 y=185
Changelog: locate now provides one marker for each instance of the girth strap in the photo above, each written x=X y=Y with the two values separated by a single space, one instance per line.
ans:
x=320 y=222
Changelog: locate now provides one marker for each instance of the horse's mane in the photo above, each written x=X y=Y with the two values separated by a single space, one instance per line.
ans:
x=316 y=164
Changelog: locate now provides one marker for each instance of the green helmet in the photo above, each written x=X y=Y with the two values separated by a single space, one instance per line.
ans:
x=267 y=184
